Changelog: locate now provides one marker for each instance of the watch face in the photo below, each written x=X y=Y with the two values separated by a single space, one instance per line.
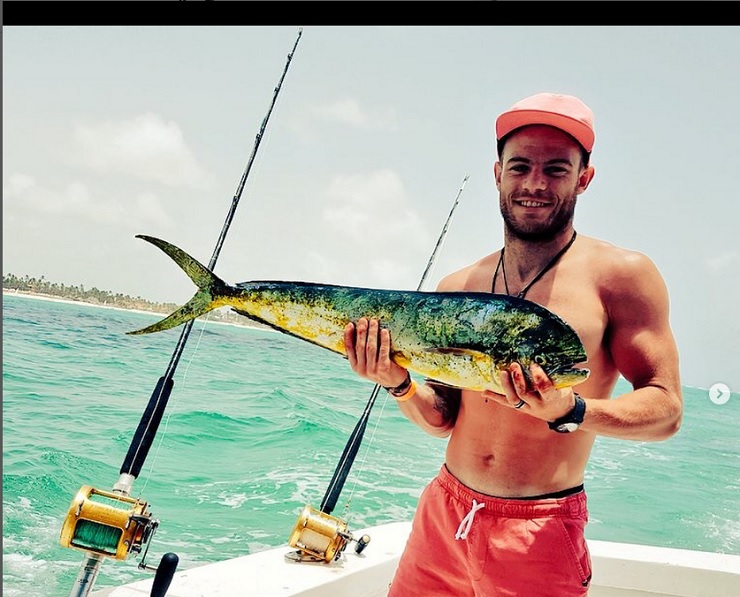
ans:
x=568 y=427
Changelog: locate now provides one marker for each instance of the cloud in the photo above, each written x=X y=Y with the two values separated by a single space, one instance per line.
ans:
x=145 y=147
x=353 y=205
x=17 y=185
x=349 y=111
x=375 y=228
x=724 y=262
x=23 y=195
x=321 y=266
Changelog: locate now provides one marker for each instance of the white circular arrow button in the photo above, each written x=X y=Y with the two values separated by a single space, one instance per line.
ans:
x=719 y=393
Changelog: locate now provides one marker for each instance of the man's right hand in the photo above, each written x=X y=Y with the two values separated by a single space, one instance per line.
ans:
x=368 y=347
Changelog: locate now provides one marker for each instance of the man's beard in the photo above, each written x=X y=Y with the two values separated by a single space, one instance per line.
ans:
x=541 y=231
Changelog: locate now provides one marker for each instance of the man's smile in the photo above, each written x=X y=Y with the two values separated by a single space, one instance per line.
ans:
x=531 y=203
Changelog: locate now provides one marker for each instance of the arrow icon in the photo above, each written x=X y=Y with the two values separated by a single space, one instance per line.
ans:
x=719 y=393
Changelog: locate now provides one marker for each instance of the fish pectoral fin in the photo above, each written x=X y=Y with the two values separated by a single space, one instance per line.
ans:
x=455 y=351
x=246 y=314
x=441 y=384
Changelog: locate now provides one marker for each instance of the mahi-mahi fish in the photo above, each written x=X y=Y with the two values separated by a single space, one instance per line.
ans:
x=459 y=339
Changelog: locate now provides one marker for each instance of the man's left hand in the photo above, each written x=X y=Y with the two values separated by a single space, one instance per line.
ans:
x=541 y=400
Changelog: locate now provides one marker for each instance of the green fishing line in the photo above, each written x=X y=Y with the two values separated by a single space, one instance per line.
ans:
x=98 y=537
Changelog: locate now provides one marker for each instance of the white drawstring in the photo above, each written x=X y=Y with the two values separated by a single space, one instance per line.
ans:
x=467 y=521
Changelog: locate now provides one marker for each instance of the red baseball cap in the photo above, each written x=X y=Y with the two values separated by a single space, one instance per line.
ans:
x=565 y=112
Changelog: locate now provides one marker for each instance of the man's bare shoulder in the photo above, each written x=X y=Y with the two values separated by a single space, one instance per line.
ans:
x=614 y=258
x=619 y=269
x=475 y=277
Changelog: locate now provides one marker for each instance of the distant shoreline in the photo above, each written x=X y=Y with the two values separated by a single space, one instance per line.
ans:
x=56 y=299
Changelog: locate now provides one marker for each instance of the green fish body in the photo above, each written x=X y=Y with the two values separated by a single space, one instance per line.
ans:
x=460 y=339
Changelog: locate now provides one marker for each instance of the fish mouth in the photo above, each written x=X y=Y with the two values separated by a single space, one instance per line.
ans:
x=567 y=376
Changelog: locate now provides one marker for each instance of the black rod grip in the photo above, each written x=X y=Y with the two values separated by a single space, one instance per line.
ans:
x=329 y=501
x=147 y=429
x=165 y=573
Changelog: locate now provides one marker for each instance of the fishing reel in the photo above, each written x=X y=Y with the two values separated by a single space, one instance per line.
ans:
x=321 y=537
x=107 y=523
x=113 y=525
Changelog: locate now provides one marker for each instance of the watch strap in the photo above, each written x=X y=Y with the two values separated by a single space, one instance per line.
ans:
x=574 y=416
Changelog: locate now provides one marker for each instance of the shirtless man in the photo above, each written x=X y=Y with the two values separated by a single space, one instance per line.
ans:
x=507 y=512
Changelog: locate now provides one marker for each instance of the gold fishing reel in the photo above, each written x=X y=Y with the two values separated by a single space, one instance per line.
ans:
x=319 y=536
x=107 y=523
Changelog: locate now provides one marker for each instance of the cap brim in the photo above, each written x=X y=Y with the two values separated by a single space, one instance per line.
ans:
x=514 y=119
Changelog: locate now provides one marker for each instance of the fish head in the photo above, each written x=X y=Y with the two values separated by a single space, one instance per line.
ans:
x=555 y=360
x=556 y=347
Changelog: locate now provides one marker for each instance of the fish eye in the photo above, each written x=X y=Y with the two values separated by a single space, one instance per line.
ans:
x=540 y=360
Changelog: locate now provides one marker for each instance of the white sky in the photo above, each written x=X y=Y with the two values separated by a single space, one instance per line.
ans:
x=109 y=132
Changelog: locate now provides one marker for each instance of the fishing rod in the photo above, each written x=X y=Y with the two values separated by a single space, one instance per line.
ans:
x=317 y=534
x=336 y=484
x=95 y=523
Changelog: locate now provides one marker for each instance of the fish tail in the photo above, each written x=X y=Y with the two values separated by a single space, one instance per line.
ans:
x=210 y=287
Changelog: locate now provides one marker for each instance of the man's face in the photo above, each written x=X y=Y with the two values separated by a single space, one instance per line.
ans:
x=538 y=178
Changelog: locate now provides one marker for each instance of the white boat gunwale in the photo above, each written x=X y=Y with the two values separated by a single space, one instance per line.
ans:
x=619 y=570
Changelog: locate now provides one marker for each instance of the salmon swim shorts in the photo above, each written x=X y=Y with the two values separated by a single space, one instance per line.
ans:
x=469 y=544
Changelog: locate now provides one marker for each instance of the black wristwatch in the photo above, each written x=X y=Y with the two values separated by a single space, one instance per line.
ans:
x=572 y=420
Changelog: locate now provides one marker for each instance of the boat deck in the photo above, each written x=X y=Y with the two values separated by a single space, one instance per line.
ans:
x=620 y=570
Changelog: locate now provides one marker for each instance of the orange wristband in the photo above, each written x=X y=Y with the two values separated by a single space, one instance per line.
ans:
x=408 y=394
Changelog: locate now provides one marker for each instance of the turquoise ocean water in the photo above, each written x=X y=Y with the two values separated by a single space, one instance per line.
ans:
x=253 y=431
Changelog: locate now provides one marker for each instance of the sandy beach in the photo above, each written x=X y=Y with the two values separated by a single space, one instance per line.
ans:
x=56 y=299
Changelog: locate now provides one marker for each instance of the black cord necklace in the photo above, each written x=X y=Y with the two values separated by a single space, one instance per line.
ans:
x=541 y=273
